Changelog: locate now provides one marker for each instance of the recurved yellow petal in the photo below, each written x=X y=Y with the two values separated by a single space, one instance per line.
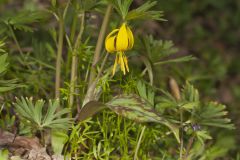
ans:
x=112 y=33
x=122 y=38
x=130 y=38
x=110 y=44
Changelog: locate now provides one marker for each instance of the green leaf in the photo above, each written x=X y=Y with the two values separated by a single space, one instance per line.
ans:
x=23 y=19
x=139 y=110
x=189 y=93
x=213 y=114
x=144 y=12
x=176 y=60
x=58 y=141
x=122 y=7
x=3 y=62
x=202 y=136
x=149 y=68
x=90 y=109
x=35 y=114
x=145 y=92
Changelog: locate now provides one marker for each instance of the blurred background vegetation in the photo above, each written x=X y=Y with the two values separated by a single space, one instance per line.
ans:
x=207 y=29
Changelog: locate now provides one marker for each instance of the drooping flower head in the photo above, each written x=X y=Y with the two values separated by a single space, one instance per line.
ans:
x=119 y=41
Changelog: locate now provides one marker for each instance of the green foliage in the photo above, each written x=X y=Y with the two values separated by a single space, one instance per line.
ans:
x=142 y=12
x=58 y=141
x=212 y=113
x=39 y=119
x=5 y=85
x=122 y=7
x=146 y=92
x=21 y=20
x=4 y=154
x=121 y=100
x=140 y=110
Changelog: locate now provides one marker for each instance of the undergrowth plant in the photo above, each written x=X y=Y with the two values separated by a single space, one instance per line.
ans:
x=109 y=81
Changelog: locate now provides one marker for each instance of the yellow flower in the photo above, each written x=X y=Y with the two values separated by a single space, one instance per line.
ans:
x=120 y=40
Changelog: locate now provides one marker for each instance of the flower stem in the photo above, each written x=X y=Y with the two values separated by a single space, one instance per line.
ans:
x=99 y=44
x=59 y=58
x=74 y=62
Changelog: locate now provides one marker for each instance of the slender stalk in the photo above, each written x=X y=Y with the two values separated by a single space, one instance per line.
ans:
x=74 y=62
x=61 y=20
x=16 y=41
x=99 y=44
x=181 y=140
x=59 y=58
x=71 y=40
x=139 y=142
x=102 y=65
x=189 y=146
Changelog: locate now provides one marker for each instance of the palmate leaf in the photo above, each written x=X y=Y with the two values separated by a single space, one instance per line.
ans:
x=5 y=85
x=41 y=120
x=22 y=20
x=144 y=12
x=213 y=114
x=206 y=114
x=122 y=6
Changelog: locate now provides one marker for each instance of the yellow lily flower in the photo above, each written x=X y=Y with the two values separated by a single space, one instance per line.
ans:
x=120 y=40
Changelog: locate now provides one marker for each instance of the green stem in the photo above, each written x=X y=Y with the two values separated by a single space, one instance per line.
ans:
x=139 y=142
x=99 y=44
x=189 y=146
x=102 y=65
x=74 y=62
x=181 y=141
x=16 y=41
x=72 y=38
x=60 y=50
x=59 y=58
